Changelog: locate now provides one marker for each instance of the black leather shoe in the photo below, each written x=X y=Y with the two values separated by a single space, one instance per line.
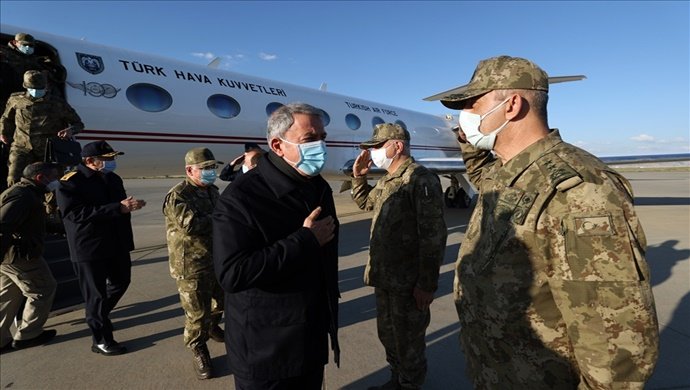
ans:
x=217 y=334
x=42 y=338
x=202 y=362
x=110 y=349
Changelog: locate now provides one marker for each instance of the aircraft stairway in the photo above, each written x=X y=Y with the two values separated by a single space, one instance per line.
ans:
x=56 y=254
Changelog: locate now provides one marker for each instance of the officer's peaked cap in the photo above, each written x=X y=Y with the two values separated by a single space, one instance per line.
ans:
x=99 y=149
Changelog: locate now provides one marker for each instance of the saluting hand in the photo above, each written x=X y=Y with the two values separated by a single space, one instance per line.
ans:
x=130 y=204
x=323 y=229
x=362 y=164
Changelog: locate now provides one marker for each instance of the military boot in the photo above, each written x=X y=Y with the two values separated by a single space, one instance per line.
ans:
x=202 y=362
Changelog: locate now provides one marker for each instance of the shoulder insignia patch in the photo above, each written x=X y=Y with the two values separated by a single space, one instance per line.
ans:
x=559 y=171
x=68 y=175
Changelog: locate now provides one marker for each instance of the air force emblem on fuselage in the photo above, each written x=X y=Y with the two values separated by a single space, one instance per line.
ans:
x=90 y=63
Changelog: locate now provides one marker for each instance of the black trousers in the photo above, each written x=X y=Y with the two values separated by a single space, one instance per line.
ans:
x=309 y=381
x=103 y=282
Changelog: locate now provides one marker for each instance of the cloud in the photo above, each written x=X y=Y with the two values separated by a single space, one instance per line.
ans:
x=207 y=55
x=267 y=57
x=643 y=138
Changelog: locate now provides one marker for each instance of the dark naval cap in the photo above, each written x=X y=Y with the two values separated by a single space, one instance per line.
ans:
x=99 y=149
x=494 y=73
x=383 y=133
x=201 y=157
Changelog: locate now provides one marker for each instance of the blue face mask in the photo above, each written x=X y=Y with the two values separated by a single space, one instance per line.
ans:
x=312 y=157
x=208 y=176
x=109 y=166
x=36 y=93
x=26 y=49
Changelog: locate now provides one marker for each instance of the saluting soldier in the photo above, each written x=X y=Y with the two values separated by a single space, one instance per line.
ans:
x=188 y=209
x=30 y=119
x=408 y=240
x=552 y=288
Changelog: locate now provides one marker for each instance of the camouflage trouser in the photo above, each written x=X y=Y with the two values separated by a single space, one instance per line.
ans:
x=202 y=302
x=401 y=328
x=18 y=160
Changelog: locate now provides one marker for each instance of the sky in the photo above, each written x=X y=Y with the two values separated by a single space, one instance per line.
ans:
x=635 y=54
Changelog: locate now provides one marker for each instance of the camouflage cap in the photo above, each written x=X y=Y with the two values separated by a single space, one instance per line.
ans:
x=99 y=149
x=201 y=157
x=35 y=79
x=24 y=38
x=502 y=72
x=383 y=133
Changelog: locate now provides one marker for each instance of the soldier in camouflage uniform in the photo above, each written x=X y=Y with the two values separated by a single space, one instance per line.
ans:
x=30 y=119
x=188 y=207
x=408 y=239
x=552 y=288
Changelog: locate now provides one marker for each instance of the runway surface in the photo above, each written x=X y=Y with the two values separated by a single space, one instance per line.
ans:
x=149 y=320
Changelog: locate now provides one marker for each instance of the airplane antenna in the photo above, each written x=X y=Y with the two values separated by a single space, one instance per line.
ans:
x=323 y=87
x=214 y=64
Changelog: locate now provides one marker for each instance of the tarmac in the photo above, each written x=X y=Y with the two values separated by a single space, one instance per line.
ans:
x=149 y=320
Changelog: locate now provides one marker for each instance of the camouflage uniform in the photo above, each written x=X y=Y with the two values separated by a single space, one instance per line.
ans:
x=551 y=285
x=408 y=238
x=188 y=210
x=552 y=288
x=29 y=122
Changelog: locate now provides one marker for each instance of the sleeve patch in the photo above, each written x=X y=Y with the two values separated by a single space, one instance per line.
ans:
x=594 y=226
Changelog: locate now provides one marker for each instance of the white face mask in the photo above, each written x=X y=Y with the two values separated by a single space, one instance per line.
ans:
x=26 y=49
x=244 y=169
x=36 y=93
x=469 y=123
x=380 y=157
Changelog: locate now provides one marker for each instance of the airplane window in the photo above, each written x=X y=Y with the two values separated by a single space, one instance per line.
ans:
x=377 y=121
x=270 y=107
x=401 y=123
x=223 y=106
x=149 y=97
x=325 y=118
x=353 y=121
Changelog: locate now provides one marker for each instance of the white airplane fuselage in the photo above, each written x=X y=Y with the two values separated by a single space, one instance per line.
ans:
x=155 y=109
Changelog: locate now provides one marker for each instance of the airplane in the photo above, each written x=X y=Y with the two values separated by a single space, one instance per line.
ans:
x=155 y=109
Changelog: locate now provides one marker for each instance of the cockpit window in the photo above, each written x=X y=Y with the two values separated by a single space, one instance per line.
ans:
x=353 y=122
x=149 y=97
x=223 y=106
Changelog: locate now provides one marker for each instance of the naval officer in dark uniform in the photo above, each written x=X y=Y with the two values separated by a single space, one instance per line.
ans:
x=96 y=213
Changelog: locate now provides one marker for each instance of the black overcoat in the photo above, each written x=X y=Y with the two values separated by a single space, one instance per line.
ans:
x=281 y=287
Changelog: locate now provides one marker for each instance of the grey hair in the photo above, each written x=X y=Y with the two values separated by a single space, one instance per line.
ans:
x=282 y=119
x=537 y=99
x=32 y=170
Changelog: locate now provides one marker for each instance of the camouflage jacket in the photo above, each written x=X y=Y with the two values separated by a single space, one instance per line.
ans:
x=552 y=265
x=408 y=232
x=188 y=223
x=29 y=122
